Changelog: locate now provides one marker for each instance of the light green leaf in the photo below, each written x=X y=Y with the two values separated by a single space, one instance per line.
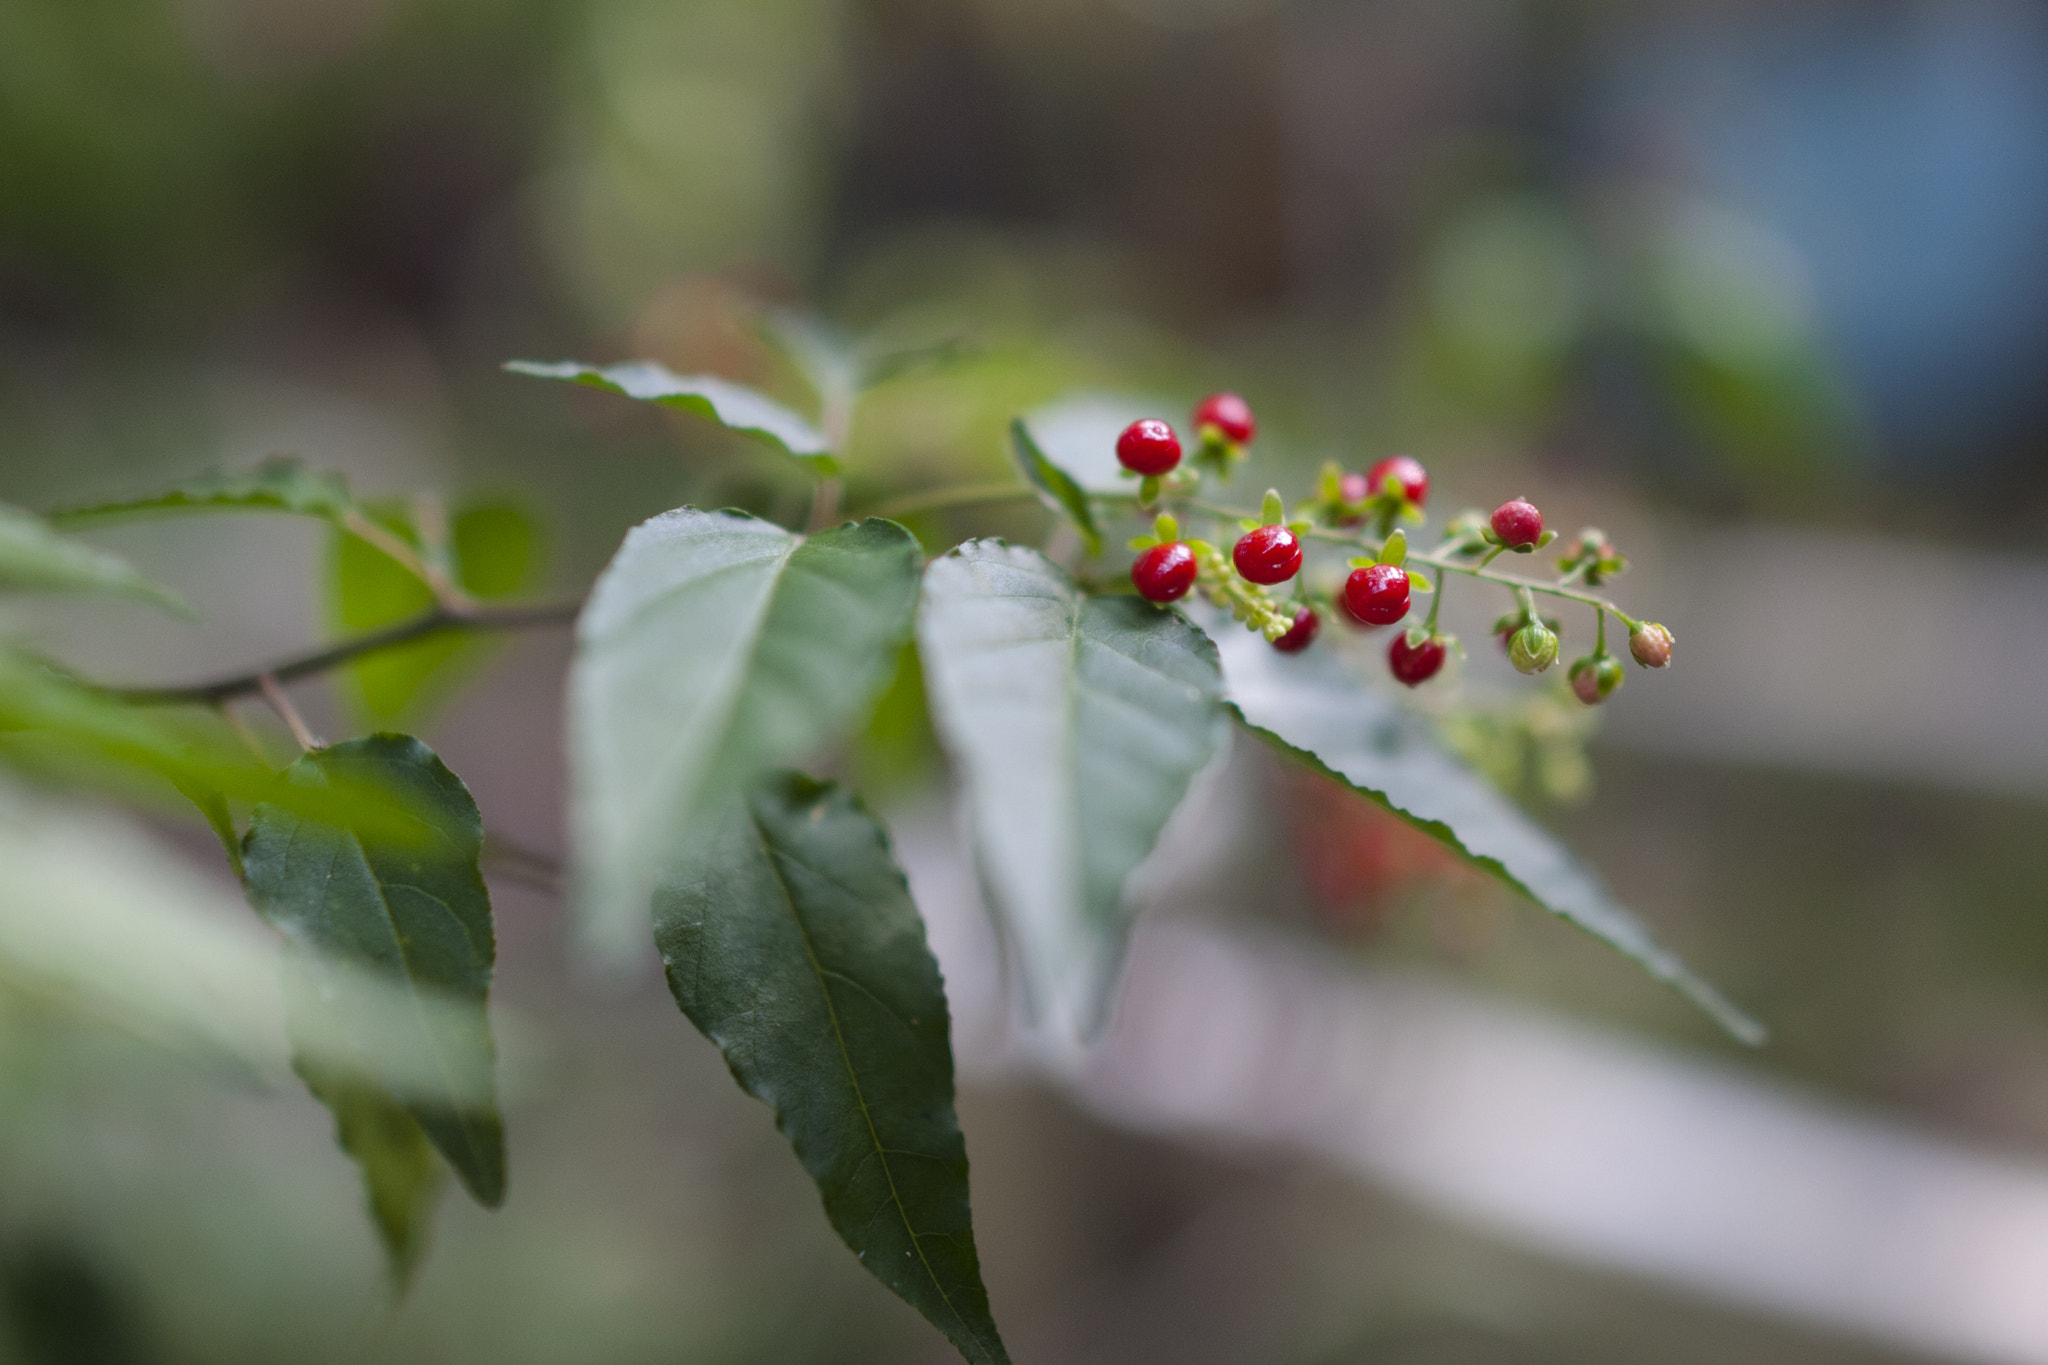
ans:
x=792 y=943
x=733 y=406
x=1076 y=724
x=1056 y=488
x=276 y=485
x=494 y=548
x=35 y=558
x=56 y=728
x=401 y=1174
x=714 y=648
x=416 y=912
x=1309 y=707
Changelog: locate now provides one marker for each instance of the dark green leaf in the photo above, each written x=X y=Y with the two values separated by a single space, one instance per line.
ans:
x=1056 y=488
x=1311 y=708
x=401 y=1175
x=35 y=558
x=733 y=406
x=494 y=549
x=792 y=943
x=1076 y=723
x=276 y=485
x=714 y=648
x=415 y=911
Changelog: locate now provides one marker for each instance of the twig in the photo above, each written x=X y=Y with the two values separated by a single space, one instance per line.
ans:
x=274 y=693
x=431 y=622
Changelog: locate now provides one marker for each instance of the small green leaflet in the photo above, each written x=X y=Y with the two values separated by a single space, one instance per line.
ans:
x=791 y=942
x=494 y=549
x=1310 y=708
x=715 y=647
x=416 y=912
x=1056 y=488
x=401 y=1175
x=733 y=406
x=1076 y=724
x=33 y=557
x=276 y=485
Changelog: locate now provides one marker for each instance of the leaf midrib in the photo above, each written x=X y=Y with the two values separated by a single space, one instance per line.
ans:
x=881 y=1152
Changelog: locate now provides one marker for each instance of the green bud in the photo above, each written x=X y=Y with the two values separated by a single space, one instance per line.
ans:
x=1395 y=551
x=1166 y=528
x=1595 y=677
x=1533 y=648
x=1272 y=511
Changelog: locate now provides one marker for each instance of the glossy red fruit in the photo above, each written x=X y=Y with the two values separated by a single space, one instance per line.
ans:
x=1230 y=415
x=1164 y=573
x=1377 y=594
x=1412 y=477
x=1301 y=634
x=1415 y=664
x=1517 y=523
x=1267 y=554
x=1148 y=446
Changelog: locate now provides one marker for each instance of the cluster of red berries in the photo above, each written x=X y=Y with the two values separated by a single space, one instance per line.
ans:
x=1377 y=591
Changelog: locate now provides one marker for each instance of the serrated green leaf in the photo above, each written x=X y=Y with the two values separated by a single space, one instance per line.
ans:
x=416 y=912
x=1056 y=488
x=1310 y=708
x=34 y=558
x=1076 y=724
x=714 y=648
x=792 y=943
x=494 y=550
x=401 y=1175
x=276 y=485
x=733 y=406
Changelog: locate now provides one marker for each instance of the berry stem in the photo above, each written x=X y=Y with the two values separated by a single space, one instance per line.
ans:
x=1599 y=632
x=1437 y=559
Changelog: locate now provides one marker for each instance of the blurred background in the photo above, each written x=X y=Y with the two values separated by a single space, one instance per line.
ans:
x=1762 y=289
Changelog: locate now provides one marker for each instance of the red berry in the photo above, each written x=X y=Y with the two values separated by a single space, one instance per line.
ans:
x=1415 y=664
x=1412 y=477
x=1267 y=554
x=1230 y=415
x=1377 y=594
x=1148 y=446
x=1517 y=523
x=1301 y=634
x=1164 y=572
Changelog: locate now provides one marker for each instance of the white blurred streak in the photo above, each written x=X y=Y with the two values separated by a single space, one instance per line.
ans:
x=1555 y=1135
x=97 y=916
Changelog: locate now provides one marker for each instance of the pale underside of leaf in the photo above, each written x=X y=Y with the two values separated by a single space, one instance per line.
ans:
x=401 y=1175
x=792 y=943
x=715 y=647
x=35 y=558
x=1075 y=725
x=417 y=912
x=1312 y=708
x=733 y=406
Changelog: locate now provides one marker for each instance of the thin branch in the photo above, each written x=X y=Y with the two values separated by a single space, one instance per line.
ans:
x=964 y=496
x=431 y=622
x=274 y=693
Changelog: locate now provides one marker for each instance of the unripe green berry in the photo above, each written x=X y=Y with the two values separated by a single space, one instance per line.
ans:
x=1533 y=648
x=1651 y=645
x=1595 y=677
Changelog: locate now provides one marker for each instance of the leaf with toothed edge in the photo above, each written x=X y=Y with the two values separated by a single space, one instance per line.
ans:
x=414 y=911
x=791 y=942
x=733 y=406
x=715 y=647
x=276 y=485
x=34 y=558
x=1310 y=708
x=1075 y=724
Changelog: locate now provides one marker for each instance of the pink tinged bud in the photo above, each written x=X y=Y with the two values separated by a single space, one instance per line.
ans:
x=1651 y=645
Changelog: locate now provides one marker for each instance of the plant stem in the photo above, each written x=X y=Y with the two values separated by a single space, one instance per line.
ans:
x=274 y=693
x=964 y=496
x=1436 y=559
x=431 y=622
